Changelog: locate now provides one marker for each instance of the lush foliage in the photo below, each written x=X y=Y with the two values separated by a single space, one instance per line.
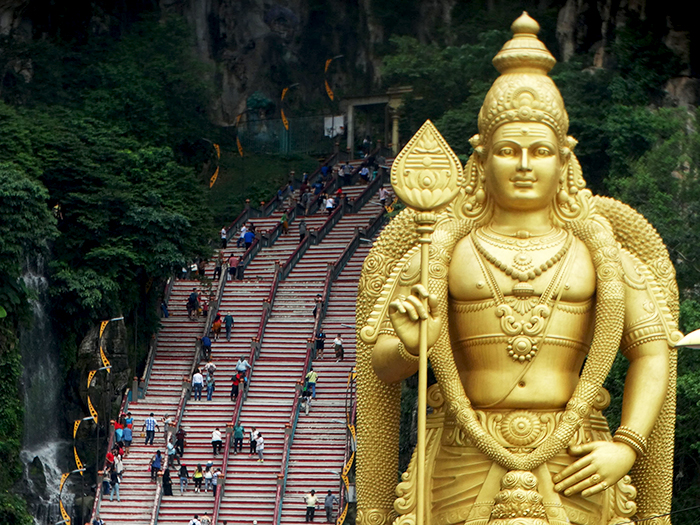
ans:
x=100 y=136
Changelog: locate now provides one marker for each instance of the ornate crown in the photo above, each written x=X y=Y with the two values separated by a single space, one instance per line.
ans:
x=523 y=92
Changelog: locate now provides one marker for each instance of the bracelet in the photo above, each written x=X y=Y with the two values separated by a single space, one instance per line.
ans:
x=632 y=439
x=406 y=354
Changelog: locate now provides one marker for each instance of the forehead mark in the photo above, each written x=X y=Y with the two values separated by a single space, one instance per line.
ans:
x=524 y=131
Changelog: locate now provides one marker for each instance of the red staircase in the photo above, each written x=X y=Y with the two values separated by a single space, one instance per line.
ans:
x=176 y=342
x=251 y=487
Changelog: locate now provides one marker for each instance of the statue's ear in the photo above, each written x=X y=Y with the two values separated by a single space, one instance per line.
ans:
x=479 y=148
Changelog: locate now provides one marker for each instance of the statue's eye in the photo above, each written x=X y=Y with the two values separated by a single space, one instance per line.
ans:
x=543 y=152
x=506 y=152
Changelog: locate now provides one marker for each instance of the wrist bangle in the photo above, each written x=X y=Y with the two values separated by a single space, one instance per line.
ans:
x=632 y=439
x=405 y=354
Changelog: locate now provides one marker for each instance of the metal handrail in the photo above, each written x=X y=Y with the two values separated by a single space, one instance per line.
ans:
x=110 y=442
x=294 y=415
x=252 y=357
x=184 y=394
x=349 y=456
x=295 y=256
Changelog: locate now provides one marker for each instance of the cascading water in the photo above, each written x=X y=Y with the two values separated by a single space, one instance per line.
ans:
x=42 y=386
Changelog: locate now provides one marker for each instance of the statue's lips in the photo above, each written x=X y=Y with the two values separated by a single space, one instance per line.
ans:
x=523 y=184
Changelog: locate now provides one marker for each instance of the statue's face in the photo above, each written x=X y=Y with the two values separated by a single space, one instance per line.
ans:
x=523 y=166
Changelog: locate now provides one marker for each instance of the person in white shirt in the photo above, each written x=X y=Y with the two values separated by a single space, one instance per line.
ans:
x=195 y=520
x=241 y=237
x=338 y=346
x=253 y=442
x=197 y=383
x=260 y=446
x=216 y=443
x=223 y=237
x=311 y=500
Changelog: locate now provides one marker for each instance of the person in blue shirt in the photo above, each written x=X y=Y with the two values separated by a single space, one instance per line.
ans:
x=206 y=348
x=248 y=238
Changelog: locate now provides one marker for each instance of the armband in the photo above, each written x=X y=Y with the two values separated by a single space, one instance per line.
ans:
x=632 y=439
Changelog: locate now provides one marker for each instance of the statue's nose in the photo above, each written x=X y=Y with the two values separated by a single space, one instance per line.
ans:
x=524 y=164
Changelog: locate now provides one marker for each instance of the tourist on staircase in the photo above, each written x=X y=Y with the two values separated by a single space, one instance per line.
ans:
x=198 y=476
x=338 y=347
x=167 y=483
x=320 y=344
x=156 y=463
x=238 y=433
x=180 y=441
x=219 y=263
x=195 y=520
x=228 y=323
x=328 y=506
x=210 y=384
x=224 y=237
x=216 y=443
x=233 y=267
x=235 y=384
x=206 y=348
x=215 y=481
x=184 y=478
x=260 y=447
x=311 y=500
x=302 y=230
x=311 y=379
x=253 y=441
x=150 y=426
x=241 y=237
x=197 y=384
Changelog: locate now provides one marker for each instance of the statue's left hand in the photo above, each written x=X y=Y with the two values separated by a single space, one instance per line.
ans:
x=603 y=464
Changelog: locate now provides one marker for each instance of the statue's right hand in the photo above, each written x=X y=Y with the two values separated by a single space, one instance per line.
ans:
x=406 y=314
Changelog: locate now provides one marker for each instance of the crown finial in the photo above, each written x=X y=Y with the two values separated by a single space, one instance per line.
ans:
x=525 y=24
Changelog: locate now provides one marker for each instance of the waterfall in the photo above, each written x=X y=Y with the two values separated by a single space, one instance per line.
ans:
x=42 y=386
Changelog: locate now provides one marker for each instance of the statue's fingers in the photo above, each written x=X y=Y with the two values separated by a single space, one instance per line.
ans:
x=588 y=482
x=600 y=487
x=580 y=450
x=572 y=469
x=410 y=310
x=420 y=291
x=434 y=305
x=418 y=305
x=576 y=478
x=397 y=306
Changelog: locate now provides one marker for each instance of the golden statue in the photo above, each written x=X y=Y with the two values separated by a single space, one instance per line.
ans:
x=519 y=287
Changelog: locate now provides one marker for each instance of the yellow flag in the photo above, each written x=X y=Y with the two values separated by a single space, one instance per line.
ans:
x=284 y=92
x=218 y=151
x=76 y=424
x=64 y=477
x=103 y=324
x=214 y=177
x=284 y=120
x=78 y=463
x=93 y=412
x=91 y=374
x=329 y=90
x=105 y=362
x=328 y=63
x=64 y=515
x=240 y=148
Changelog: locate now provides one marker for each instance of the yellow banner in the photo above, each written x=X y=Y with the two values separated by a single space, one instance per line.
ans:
x=64 y=514
x=240 y=148
x=93 y=412
x=105 y=362
x=214 y=177
x=77 y=422
x=284 y=120
x=64 y=477
x=91 y=374
x=329 y=90
x=218 y=151
x=78 y=463
x=284 y=92
x=103 y=324
x=328 y=63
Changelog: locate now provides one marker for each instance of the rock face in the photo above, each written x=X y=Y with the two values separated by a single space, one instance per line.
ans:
x=264 y=46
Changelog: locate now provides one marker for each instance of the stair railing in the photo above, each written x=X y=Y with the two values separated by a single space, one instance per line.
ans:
x=110 y=443
x=334 y=270
x=350 y=446
x=185 y=394
x=242 y=395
